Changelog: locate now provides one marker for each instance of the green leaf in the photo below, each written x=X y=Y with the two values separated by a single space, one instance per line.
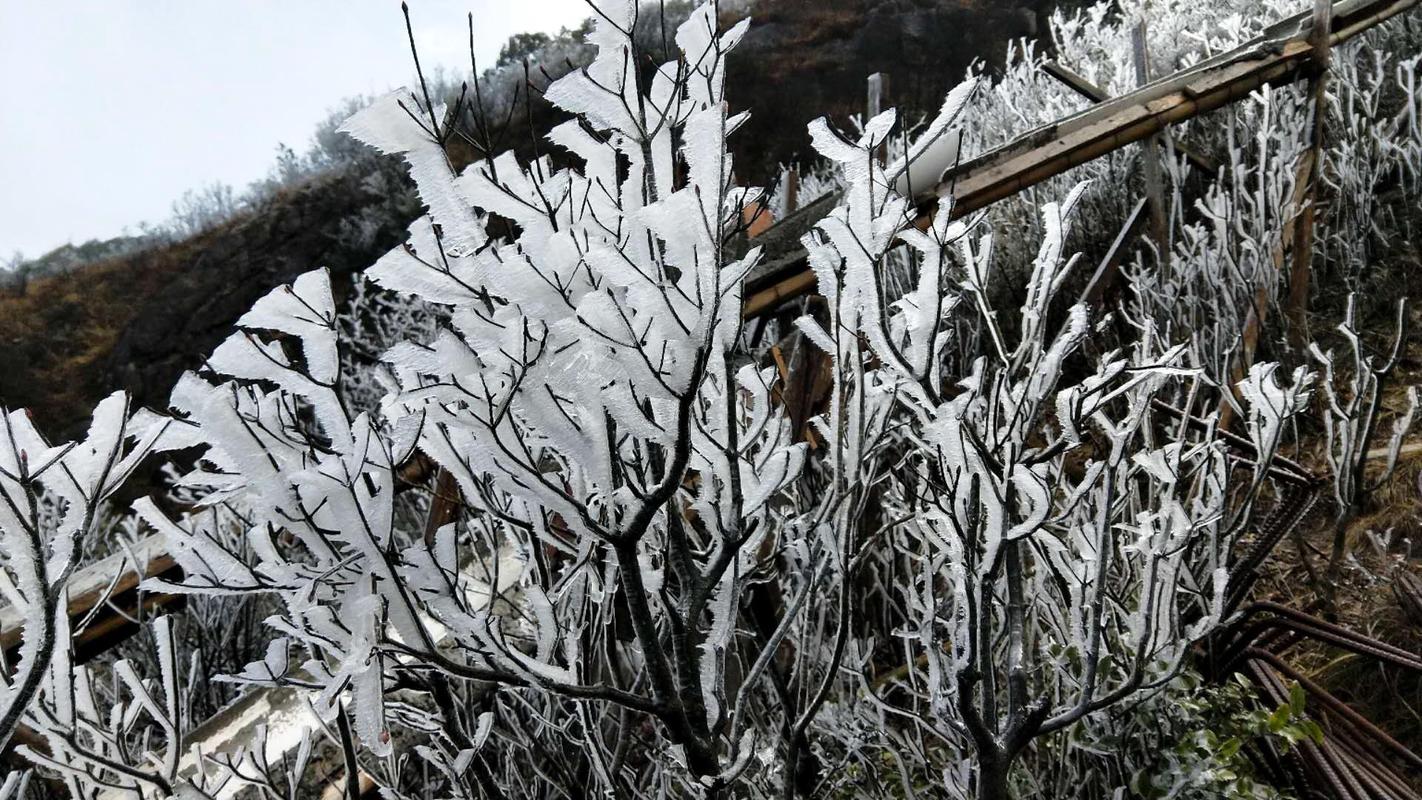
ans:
x=1230 y=748
x=1139 y=783
x=1296 y=699
x=1313 y=730
x=1279 y=719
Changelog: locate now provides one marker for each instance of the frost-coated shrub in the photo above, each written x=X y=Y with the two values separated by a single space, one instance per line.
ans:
x=1063 y=544
x=1225 y=241
x=620 y=467
x=51 y=501
x=997 y=542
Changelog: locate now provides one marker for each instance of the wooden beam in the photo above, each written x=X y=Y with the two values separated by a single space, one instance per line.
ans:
x=1096 y=94
x=1104 y=278
x=105 y=595
x=1296 y=308
x=1075 y=81
x=1259 y=307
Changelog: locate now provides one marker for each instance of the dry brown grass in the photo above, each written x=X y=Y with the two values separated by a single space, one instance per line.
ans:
x=1382 y=541
x=58 y=335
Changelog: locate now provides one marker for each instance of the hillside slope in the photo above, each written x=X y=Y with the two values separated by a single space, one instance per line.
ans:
x=136 y=322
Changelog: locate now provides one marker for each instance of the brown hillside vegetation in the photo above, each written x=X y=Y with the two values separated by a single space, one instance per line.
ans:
x=137 y=322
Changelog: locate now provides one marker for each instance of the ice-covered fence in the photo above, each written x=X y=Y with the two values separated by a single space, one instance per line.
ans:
x=1283 y=54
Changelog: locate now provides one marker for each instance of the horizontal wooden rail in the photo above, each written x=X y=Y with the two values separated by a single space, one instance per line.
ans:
x=99 y=592
x=105 y=594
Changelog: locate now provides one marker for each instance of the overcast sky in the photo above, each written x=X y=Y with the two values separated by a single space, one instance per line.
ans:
x=112 y=108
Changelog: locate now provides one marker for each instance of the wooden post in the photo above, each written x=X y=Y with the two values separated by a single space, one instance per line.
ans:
x=1302 y=260
x=878 y=98
x=792 y=190
x=1150 y=155
x=1296 y=238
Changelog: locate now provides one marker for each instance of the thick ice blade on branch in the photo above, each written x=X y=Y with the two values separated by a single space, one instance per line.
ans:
x=605 y=92
x=419 y=268
x=392 y=125
x=936 y=150
x=1269 y=404
x=304 y=309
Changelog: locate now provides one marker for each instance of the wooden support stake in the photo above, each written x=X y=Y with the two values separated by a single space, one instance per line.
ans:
x=1259 y=308
x=1302 y=261
x=878 y=98
x=1150 y=154
x=1104 y=279
x=1074 y=81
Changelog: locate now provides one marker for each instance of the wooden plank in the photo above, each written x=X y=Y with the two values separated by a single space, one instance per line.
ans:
x=1116 y=124
x=1075 y=82
x=1096 y=94
x=1301 y=268
x=1259 y=306
x=1104 y=278
x=1150 y=151
x=114 y=579
x=1284 y=54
